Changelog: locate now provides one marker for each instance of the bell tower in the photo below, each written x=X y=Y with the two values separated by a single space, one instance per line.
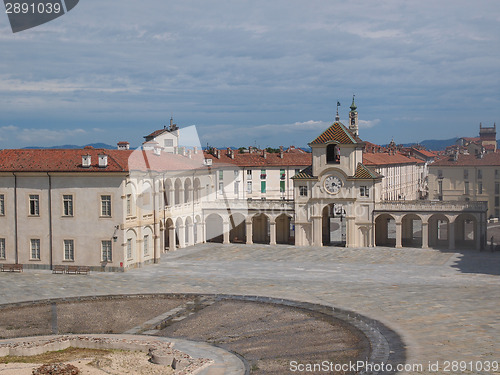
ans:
x=353 y=119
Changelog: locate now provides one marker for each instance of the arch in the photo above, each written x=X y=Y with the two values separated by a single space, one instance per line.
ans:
x=332 y=154
x=214 y=228
x=187 y=190
x=170 y=235
x=333 y=225
x=130 y=198
x=385 y=230
x=130 y=249
x=283 y=229
x=147 y=242
x=146 y=196
x=168 y=194
x=439 y=228
x=238 y=232
x=197 y=190
x=177 y=192
x=260 y=229
x=411 y=231
x=466 y=231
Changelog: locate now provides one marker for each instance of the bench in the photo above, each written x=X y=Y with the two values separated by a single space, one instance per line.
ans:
x=12 y=268
x=59 y=269
x=78 y=270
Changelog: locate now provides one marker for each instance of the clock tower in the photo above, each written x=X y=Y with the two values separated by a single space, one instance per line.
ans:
x=353 y=119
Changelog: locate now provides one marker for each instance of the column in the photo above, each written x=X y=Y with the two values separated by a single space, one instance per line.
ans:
x=350 y=235
x=399 y=234
x=171 y=238
x=190 y=235
x=317 y=227
x=451 y=235
x=182 y=235
x=248 y=223
x=225 y=229
x=157 y=243
x=425 y=235
x=272 y=231
x=477 y=233
x=199 y=233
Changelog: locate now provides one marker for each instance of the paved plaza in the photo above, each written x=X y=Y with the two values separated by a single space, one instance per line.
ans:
x=444 y=305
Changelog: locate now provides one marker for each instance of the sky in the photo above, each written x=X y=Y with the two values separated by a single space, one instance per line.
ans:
x=264 y=73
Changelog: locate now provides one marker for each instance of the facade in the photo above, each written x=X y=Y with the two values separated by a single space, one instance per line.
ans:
x=117 y=209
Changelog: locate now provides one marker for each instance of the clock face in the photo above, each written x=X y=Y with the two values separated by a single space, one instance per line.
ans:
x=333 y=184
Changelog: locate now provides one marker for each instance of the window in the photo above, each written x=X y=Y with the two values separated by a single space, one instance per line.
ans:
x=69 y=250
x=497 y=212
x=35 y=249
x=479 y=174
x=146 y=244
x=221 y=175
x=2 y=248
x=332 y=154
x=106 y=250
x=364 y=191
x=440 y=190
x=480 y=188
x=440 y=173
x=497 y=188
x=282 y=186
x=221 y=187
x=282 y=174
x=249 y=174
x=236 y=174
x=263 y=174
x=2 y=204
x=34 y=205
x=466 y=185
x=249 y=186
x=129 y=248
x=168 y=143
x=303 y=191
x=106 y=205
x=129 y=204
x=67 y=205
x=236 y=187
x=263 y=186
x=466 y=174
x=497 y=173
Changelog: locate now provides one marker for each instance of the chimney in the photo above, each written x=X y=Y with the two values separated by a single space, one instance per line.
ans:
x=195 y=150
x=228 y=152
x=188 y=154
x=281 y=152
x=176 y=149
x=123 y=145
x=182 y=151
x=157 y=151
x=86 y=161
x=103 y=161
x=264 y=154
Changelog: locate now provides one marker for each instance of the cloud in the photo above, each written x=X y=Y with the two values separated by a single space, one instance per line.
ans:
x=367 y=124
x=34 y=136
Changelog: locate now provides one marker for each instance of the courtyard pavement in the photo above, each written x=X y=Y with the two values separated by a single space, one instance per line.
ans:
x=444 y=304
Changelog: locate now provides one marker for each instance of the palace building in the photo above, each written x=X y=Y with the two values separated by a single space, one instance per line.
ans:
x=117 y=209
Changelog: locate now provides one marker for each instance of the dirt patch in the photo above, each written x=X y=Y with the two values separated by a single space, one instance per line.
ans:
x=269 y=336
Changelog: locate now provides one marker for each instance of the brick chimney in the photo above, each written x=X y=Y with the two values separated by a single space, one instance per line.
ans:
x=281 y=152
x=264 y=154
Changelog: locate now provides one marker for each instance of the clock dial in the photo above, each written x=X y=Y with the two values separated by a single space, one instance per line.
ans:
x=333 y=184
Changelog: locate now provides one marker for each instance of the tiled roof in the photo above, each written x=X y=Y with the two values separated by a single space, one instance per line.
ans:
x=305 y=174
x=255 y=159
x=426 y=153
x=70 y=160
x=384 y=158
x=155 y=133
x=365 y=173
x=337 y=132
x=490 y=159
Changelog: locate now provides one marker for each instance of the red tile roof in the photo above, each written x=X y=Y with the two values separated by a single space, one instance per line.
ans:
x=490 y=159
x=384 y=158
x=365 y=173
x=255 y=159
x=337 y=132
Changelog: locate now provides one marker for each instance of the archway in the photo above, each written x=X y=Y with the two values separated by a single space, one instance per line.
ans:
x=197 y=190
x=214 y=228
x=466 y=231
x=333 y=225
x=411 y=235
x=438 y=231
x=385 y=231
x=187 y=190
x=180 y=231
x=170 y=235
x=283 y=223
x=238 y=232
x=260 y=229
x=177 y=192
x=168 y=194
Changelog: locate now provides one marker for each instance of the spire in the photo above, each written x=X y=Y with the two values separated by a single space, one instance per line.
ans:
x=337 y=117
x=353 y=105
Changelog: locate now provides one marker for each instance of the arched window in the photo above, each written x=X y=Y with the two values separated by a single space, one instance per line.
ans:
x=332 y=154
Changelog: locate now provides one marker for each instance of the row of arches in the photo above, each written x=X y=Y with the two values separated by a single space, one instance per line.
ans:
x=236 y=228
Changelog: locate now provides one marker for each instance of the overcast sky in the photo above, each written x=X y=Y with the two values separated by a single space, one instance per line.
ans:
x=251 y=72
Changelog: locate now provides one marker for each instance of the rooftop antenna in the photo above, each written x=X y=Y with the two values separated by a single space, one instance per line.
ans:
x=337 y=118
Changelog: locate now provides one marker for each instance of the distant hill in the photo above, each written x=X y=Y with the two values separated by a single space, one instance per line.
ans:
x=95 y=145
x=433 y=144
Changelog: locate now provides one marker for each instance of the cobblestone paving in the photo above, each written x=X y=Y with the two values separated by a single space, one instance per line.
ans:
x=445 y=305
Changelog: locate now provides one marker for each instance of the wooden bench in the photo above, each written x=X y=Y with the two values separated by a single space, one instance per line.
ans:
x=12 y=268
x=59 y=269
x=72 y=269
x=78 y=270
